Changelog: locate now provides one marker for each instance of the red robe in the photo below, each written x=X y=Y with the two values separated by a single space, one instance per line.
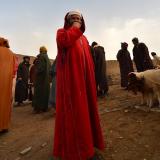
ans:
x=77 y=128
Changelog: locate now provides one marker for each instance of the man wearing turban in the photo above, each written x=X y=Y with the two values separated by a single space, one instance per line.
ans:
x=77 y=126
x=41 y=82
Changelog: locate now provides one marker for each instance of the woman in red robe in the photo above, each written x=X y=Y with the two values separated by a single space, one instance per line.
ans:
x=77 y=126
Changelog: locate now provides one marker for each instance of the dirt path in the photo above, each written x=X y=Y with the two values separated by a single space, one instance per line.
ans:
x=130 y=133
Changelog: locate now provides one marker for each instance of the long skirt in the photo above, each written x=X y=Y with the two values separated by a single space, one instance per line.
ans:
x=21 y=91
x=52 y=96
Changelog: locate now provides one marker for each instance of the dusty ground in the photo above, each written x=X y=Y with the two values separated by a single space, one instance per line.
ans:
x=130 y=133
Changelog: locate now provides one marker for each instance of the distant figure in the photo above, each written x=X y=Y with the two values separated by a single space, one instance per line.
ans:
x=156 y=59
x=21 y=90
x=52 y=97
x=41 y=84
x=141 y=56
x=100 y=69
x=33 y=71
x=93 y=55
x=32 y=78
x=125 y=64
x=8 y=67
x=77 y=127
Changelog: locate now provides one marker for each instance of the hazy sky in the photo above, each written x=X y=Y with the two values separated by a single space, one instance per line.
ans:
x=28 y=24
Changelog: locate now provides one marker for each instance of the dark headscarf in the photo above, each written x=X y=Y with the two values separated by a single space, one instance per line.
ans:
x=26 y=57
x=4 y=42
x=135 y=39
x=124 y=44
x=94 y=44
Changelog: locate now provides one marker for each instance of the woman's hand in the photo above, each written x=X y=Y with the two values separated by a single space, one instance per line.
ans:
x=77 y=24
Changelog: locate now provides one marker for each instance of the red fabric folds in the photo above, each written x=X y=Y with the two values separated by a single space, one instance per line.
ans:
x=77 y=128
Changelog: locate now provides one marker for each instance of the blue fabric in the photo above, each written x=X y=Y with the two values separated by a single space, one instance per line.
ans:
x=52 y=97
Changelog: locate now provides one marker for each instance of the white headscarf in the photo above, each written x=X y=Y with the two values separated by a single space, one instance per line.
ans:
x=74 y=13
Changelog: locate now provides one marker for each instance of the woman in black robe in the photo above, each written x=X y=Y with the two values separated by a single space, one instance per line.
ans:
x=21 y=90
x=125 y=64
x=100 y=69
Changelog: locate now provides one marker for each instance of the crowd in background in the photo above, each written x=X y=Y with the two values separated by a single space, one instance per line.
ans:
x=141 y=58
x=71 y=84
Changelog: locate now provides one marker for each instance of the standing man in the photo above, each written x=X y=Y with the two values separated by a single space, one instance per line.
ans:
x=77 y=126
x=141 y=56
x=21 y=90
x=7 y=72
x=125 y=64
x=41 y=84
x=100 y=69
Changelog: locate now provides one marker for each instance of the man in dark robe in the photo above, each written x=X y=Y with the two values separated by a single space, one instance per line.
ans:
x=141 y=56
x=100 y=69
x=125 y=64
x=21 y=90
x=41 y=84
x=77 y=126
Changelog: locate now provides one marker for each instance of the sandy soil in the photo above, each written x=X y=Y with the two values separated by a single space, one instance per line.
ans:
x=130 y=133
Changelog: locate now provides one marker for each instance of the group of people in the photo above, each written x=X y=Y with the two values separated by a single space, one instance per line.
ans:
x=37 y=77
x=141 y=59
x=80 y=71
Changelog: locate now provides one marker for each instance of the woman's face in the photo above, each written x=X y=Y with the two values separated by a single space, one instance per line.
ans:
x=75 y=18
